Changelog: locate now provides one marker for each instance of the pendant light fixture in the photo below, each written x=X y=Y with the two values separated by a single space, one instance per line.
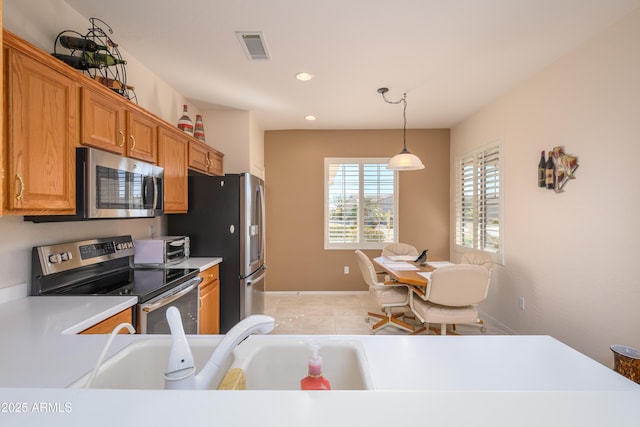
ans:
x=403 y=161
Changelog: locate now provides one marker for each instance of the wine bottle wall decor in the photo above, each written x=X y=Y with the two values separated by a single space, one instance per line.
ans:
x=95 y=54
x=556 y=170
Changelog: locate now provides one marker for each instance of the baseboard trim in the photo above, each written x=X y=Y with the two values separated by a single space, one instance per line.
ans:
x=294 y=293
x=490 y=319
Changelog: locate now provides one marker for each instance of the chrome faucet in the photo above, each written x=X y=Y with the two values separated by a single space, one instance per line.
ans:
x=180 y=373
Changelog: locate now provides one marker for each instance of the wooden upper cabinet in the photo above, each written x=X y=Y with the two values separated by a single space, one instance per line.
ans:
x=204 y=158
x=102 y=123
x=111 y=123
x=172 y=156
x=143 y=137
x=40 y=122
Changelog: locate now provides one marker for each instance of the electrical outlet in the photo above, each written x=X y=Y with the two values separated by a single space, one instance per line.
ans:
x=521 y=303
x=346 y=269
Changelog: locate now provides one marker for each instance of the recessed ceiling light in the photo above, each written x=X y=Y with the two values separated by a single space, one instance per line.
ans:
x=304 y=77
x=310 y=118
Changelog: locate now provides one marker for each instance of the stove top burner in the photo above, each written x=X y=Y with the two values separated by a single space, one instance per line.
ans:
x=143 y=283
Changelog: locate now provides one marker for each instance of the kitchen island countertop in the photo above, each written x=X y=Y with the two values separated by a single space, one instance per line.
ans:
x=452 y=380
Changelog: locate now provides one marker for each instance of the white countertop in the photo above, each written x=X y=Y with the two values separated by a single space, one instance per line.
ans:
x=39 y=348
x=201 y=263
x=464 y=380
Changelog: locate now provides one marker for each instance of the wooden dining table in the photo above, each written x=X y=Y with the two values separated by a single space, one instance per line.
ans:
x=398 y=270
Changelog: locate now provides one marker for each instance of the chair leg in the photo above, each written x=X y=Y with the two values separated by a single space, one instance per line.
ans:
x=419 y=330
x=394 y=318
x=402 y=324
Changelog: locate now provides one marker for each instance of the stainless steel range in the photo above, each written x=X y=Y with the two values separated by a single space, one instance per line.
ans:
x=104 y=266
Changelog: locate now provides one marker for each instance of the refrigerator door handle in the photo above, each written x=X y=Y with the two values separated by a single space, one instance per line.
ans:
x=262 y=220
x=256 y=279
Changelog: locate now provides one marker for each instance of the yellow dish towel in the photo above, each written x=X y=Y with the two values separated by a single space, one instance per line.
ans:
x=234 y=379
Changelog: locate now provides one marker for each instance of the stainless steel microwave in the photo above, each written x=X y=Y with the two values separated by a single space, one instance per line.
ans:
x=113 y=186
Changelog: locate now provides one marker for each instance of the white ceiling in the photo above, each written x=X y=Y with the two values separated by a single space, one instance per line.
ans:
x=450 y=56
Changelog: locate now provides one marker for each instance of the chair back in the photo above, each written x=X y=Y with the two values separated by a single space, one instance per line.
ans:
x=477 y=258
x=368 y=270
x=458 y=285
x=399 y=249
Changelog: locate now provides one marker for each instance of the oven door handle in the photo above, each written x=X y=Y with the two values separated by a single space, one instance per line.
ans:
x=148 y=308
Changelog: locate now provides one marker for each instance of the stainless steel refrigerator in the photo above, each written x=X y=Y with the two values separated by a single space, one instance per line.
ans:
x=226 y=219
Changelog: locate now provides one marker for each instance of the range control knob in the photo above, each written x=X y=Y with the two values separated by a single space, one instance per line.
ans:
x=55 y=258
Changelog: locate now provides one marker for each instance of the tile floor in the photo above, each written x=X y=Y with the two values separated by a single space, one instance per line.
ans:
x=336 y=314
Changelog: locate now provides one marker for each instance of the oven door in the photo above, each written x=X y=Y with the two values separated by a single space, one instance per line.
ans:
x=186 y=298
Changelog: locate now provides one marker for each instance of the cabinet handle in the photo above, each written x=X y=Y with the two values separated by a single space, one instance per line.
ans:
x=19 y=195
x=122 y=142
x=133 y=140
x=208 y=161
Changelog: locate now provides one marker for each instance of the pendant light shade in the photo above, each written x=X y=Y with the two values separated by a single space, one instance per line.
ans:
x=403 y=161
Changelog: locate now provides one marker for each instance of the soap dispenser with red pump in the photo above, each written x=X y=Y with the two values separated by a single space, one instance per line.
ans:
x=315 y=380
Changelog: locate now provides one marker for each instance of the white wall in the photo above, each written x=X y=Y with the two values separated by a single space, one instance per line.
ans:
x=572 y=256
x=39 y=22
x=239 y=136
x=256 y=144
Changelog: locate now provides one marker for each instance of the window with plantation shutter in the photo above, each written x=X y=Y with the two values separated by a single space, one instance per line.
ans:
x=479 y=209
x=360 y=203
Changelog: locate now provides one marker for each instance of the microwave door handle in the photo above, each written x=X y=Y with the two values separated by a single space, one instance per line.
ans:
x=155 y=193
x=147 y=308
x=146 y=182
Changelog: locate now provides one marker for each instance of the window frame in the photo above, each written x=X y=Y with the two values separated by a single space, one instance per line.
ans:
x=359 y=244
x=479 y=227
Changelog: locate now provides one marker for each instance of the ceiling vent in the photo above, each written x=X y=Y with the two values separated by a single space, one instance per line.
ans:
x=253 y=45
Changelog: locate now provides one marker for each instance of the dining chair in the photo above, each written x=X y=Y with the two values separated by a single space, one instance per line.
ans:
x=483 y=259
x=451 y=296
x=388 y=296
x=399 y=249
x=477 y=258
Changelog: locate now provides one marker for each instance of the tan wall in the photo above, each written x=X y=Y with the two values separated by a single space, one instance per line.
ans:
x=294 y=162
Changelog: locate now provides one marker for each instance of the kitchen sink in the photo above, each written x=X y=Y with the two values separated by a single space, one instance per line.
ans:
x=142 y=364
x=268 y=363
x=279 y=363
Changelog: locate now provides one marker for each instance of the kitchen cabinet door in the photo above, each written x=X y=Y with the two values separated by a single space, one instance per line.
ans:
x=172 y=156
x=1 y=127
x=112 y=123
x=204 y=158
x=210 y=301
x=41 y=135
x=103 y=121
x=142 y=134
x=109 y=324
